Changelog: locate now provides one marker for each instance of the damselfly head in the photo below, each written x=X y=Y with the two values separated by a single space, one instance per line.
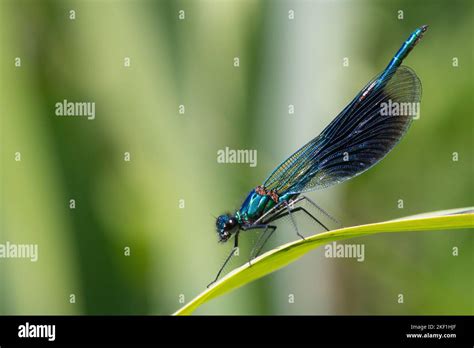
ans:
x=226 y=225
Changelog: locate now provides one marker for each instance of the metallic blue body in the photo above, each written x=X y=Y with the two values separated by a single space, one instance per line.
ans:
x=255 y=205
x=403 y=52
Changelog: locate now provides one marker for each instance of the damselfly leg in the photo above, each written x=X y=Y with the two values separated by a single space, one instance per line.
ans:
x=236 y=245
x=262 y=239
x=232 y=252
x=296 y=210
x=280 y=212
x=324 y=212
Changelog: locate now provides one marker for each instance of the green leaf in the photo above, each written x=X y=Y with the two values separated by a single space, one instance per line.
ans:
x=287 y=253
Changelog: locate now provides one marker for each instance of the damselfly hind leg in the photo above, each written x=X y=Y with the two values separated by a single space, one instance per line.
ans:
x=324 y=212
x=269 y=229
x=290 y=212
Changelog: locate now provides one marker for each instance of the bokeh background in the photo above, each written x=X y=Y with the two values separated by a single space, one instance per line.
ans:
x=174 y=251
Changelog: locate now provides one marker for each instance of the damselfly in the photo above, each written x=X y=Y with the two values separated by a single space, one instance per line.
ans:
x=358 y=138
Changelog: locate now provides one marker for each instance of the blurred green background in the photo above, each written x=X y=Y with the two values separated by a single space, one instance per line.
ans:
x=174 y=251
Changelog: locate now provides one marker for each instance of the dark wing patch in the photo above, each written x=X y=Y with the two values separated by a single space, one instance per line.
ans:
x=359 y=137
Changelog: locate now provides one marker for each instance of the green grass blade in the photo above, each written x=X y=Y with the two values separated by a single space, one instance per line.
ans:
x=287 y=253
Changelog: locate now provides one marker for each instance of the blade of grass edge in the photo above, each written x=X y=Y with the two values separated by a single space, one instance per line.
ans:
x=287 y=253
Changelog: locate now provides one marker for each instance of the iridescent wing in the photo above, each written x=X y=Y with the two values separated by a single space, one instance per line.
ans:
x=359 y=137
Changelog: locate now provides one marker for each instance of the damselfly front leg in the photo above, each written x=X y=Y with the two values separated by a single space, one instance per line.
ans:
x=234 y=249
x=289 y=212
x=236 y=245
x=258 y=244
